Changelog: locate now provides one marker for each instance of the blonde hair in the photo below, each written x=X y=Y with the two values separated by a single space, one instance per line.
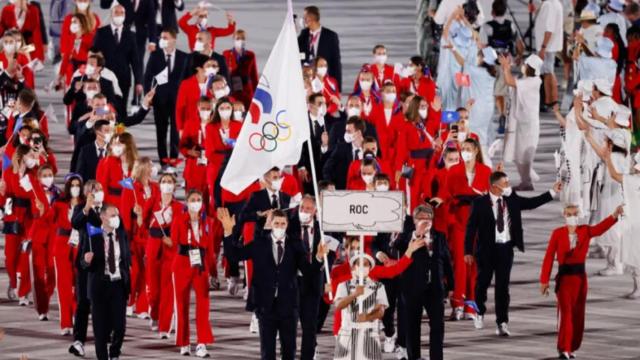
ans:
x=139 y=166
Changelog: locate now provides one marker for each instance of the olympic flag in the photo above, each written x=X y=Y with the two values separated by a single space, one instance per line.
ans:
x=276 y=125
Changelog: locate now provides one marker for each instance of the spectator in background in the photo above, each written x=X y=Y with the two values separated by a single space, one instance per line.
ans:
x=548 y=33
x=317 y=41
x=201 y=15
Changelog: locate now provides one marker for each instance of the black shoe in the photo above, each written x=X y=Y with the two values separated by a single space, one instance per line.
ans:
x=501 y=124
x=564 y=355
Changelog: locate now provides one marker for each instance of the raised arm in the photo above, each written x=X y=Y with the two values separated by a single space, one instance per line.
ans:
x=602 y=227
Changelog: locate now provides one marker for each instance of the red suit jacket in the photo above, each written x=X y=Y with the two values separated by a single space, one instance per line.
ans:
x=30 y=29
x=243 y=73
x=193 y=30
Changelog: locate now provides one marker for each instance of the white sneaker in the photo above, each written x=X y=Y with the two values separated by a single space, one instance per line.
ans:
x=43 y=317
x=153 y=324
x=233 y=285
x=201 y=351
x=66 y=331
x=164 y=335
x=11 y=294
x=185 y=350
x=129 y=311
x=610 y=271
x=401 y=353
x=23 y=301
x=458 y=313
x=144 y=315
x=77 y=349
x=389 y=344
x=503 y=330
x=254 y=327
x=478 y=322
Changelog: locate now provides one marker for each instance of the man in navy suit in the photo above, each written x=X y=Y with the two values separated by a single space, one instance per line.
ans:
x=273 y=294
x=106 y=257
x=318 y=41
x=164 y=103
x=167 y=9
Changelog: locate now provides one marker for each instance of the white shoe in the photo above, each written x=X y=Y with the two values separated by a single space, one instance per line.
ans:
x=144 y=315
x=66 y=331
x=254 y=327
x=478 y=322
x=11 y=294
x=389 y=344
x=129 y=311
x=164 y=335
x=23 y=301
x=153 y=324
x=43 y=317
x=610 y=271
x=77 y=349
x=457 y=314
x=401 y=353
x=185 y=350
x=503 y=330
x=245 y=294
x=564 y=355
x=233 y=285
x=201 y=351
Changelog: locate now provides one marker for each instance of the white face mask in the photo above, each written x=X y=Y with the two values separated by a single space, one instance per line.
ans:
x=462 y=136
x=195 y=206
x=389 y=97
x=117 y=150
x=466 y=156
x=238 y=115
x=107 y=137
x=365 y=85
x=353 y=111
x=82 y=6
x=572 y=220
x=98 y=196
x=322 y=110
x=203 y=22
x=47 y=181
x=30 y=163
x=154 y=171
x=321 y=71
x=211 y=71
x=316 y=86
x=167 y=188
x=198 y=46
x=9 y=47
x=278 y=233
x=368 y=179
x=89 y=70
x=219 y=93
x=114 y=222
x=380 y=59
x=304 y=217
x=74 y=191
x=205 y=115
x=74 y=28
x=118 y=20
x=277 y=184
x=411 y=70
x=225 y=114
x=507 y=191
x=382 y=187
x=90 y=94
x=423 y=113
x=163 y=43
x=238 y=44
x=348 y=138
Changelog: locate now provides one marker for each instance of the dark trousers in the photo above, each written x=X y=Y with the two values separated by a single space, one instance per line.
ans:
x=164 y=116
x=83 y=307
x=433 y=303
x=271 y=324
x=500 y=261
x=392 y=288
x=235 y=209
x=323 y=311
x=108 y=313
x=309 y=306
x=142 y=34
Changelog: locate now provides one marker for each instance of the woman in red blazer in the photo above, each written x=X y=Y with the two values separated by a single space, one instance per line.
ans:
x=419 y=82
x=74 y=48
x=192 y=232
x=118 y=165
x=243 y=69
x=191 y=90
x=83 y=7
x=192 y=146
x=132 y=204
x=388 y=120
x=330 y=89
x=367 y=91
x=201 y=16
x=14 y=62
x=40 y=144
x=25 y=17
x=466 y=181
x=65 y=249
x=160 y=250
x=435 y=190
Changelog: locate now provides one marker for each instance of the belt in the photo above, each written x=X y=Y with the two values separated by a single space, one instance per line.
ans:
x=12 y=228
x=115 y=191
x=223 y=152
x=568 y=269
x=184 y=250
x=64 y=232
x=22 y=202
x=421 y=154
x=156 y=232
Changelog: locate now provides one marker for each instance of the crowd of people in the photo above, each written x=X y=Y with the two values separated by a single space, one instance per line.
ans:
x=127 y=235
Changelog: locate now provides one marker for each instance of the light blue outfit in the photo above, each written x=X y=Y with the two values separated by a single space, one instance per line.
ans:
x=460 y=37
x=481 y=90
x=592 y=68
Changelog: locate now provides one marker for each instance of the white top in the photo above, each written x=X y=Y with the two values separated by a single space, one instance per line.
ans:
x=591 y=35
x=550 y=19
x=504 y=236
x=374 y=294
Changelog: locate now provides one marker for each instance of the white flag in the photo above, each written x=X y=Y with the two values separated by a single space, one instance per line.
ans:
x=276 y=125
x=50 y=113
x=162 y=77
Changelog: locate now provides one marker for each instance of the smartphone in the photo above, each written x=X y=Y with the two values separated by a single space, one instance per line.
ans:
x=454 y=128
x=101 y=111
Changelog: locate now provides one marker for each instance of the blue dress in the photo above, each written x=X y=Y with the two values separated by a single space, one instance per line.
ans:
x=481 y=90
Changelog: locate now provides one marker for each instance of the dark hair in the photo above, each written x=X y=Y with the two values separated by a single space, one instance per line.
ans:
x=529 y=71
x=413 y=110
x=496 y=176
x=324 y=184
x=617 y=39
x=45 y=140
x=216 y=115
x=369 y=162
x=379 y=46
x=499 y=8
x=16 y=139
x=381 y=177
x=28 y=96
x=279 y=213
x=100 y=123
x=369 y=140
x=491 y=69
x=99 y=59
x=313 y=10
x=312 y=98
x=357 y=123
x=476 y=145
x=170 y=30
x=462 y=108
x=66 y=195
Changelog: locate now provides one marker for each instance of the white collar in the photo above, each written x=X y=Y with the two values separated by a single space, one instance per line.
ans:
x=171 y=53
x=271 y=193
x=315 y=32
x=494 y=198
x=114 y=27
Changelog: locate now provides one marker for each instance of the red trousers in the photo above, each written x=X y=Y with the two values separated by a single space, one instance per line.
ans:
x=65 y=282
x=138 y=295
x=186 y=277
x=464 y=275
x=44 y=278
x=159 y=283
x=572 y=298
x=12 y=249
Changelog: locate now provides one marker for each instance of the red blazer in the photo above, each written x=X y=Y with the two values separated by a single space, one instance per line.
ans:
x=187 y=102
x=51 y=160
x=193 y=30
x=435 y=184
x=229 y=197
x=22 y=214
x=368 y=103
x=127 y=203
x=181 y=233
x=193 y=137
x=109 y=174
x=62 y=212
x=330 y=89
x=411 y=138
x=559 y=246
x=43 y=122
x=72 y=56
x=43 y=227
x=216 y=149
x=387 y=133
x=425 y=87
x=26 y=71
x=388 y=73
x=65 y=31
x=353 y=174
x=150 y=221
x=30 y=27
x=290 y=185
x=242 y=68
x=460 y=190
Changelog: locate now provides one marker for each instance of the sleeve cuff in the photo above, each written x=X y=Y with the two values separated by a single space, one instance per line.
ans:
x=553 y=193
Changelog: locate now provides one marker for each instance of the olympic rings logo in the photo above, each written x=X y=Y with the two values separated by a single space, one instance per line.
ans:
x=272 y=133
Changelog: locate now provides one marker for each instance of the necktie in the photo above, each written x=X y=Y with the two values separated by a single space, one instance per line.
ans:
x=115 y=35
x=312 y=43
x=112 y=255
x=274 y=202
x=100 y=153
x=280 y=251
x=500 y=219
x=169 y=63
x=305 y=241
x=356 y=154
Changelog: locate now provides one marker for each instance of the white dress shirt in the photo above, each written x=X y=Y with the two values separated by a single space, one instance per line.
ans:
x=271 y=193
x=504 y=236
